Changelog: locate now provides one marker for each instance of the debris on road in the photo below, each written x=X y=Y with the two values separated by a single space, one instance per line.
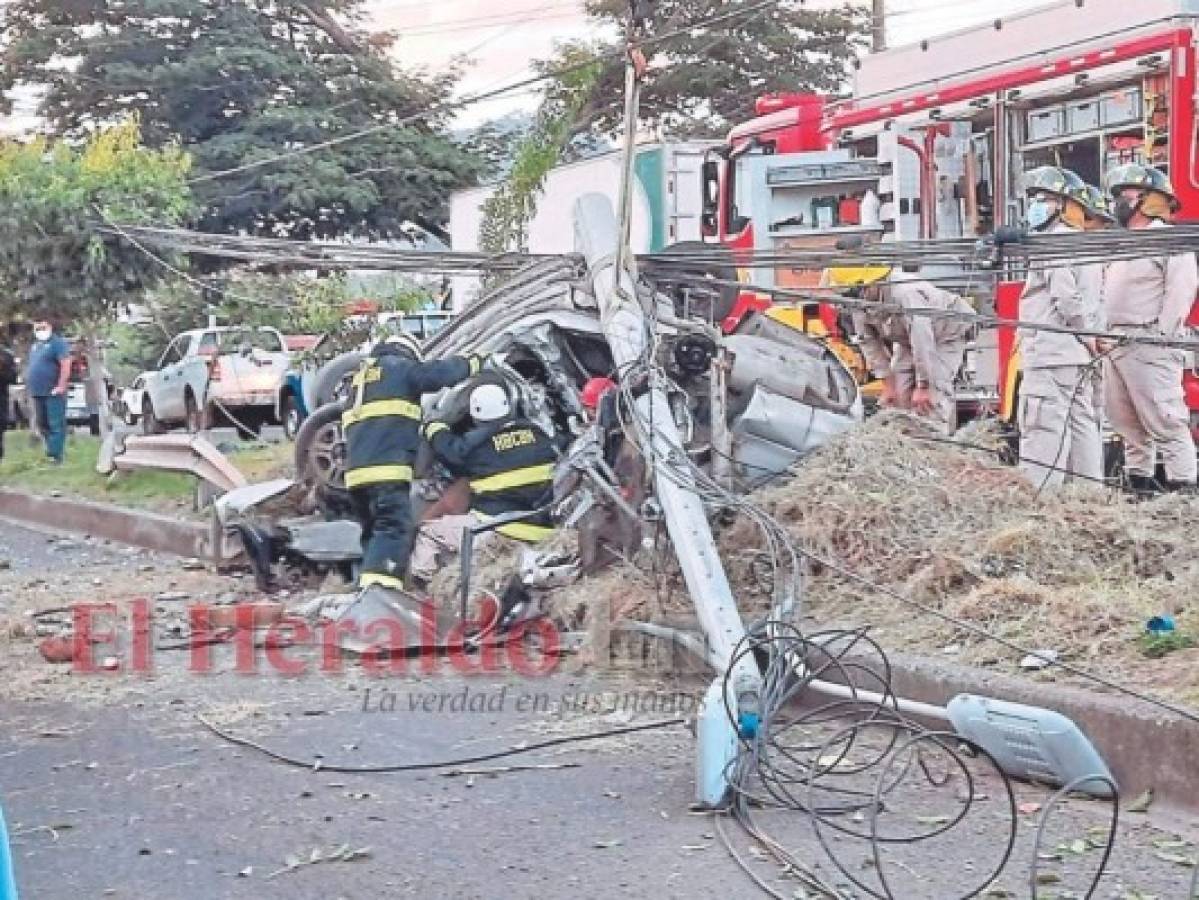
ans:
x=342 y=853
x=57 y=649
x=503 y=770
x=1141 y=803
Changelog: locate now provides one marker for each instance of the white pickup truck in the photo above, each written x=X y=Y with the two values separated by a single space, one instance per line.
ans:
x=211 y=375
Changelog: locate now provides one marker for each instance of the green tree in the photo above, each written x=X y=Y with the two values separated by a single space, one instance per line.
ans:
x=235 y=82
x=56 y=255
x=509 y=209
x=704 y=79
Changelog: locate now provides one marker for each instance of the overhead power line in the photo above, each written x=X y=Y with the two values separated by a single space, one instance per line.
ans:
x=664 y=269
x=482 y=23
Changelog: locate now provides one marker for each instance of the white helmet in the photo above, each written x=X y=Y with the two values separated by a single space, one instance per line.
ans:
x=402 y=344
x=489 y=403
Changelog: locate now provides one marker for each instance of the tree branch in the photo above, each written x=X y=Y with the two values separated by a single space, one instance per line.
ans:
x=333 y=29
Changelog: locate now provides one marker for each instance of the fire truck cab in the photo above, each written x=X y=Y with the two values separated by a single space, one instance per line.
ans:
x=950 y=124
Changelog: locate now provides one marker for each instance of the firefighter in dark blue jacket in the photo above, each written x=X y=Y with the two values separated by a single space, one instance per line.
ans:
x=508 y=460
x=382 y=432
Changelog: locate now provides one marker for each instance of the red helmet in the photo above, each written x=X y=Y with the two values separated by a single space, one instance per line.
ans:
x=594 y=390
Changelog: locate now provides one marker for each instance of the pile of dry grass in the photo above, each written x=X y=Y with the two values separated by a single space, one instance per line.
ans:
x=1078 y=571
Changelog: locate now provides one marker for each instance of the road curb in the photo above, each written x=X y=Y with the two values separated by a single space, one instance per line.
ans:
x=1145 y=747
x=139 y=528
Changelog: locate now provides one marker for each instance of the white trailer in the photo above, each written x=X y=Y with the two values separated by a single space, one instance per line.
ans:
x=667 y=203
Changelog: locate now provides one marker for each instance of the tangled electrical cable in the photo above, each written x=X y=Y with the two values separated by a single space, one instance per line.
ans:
x=318 y=764
x=674 y=463
x=858 y=768
x=852 y=765
x=1036 y=250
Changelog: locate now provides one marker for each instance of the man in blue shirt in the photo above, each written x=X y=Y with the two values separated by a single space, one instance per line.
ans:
x=46 y=382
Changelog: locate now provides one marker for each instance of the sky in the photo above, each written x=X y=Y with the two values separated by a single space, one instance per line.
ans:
x=503 y=37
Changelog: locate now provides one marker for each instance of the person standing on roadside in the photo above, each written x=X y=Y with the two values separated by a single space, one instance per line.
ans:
x=1149 y=296
x=46 y=382
x=1099 y=218
x=1059 y=431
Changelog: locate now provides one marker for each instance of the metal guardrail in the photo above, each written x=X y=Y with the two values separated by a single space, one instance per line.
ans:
x=189 y=453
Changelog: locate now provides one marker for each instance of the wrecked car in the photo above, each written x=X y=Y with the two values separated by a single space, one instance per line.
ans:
x=784 y=395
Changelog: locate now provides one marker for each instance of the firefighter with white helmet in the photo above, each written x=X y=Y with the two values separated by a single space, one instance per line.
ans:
x=918 y=357
x=1059 y=428
x=382 y=432
x=508 y=461
x=1149 y=296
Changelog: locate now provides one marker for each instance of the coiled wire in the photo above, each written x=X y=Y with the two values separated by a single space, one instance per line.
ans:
x=857 y=766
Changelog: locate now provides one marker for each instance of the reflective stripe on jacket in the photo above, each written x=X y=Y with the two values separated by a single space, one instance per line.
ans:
x=510 y=466
x=382 y=427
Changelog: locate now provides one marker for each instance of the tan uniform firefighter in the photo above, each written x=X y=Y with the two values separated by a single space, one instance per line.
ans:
x=1150 y=295
x=1059 y=429
x=917 y=356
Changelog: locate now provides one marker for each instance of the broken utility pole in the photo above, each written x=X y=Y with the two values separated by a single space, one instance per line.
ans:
x=603 y=241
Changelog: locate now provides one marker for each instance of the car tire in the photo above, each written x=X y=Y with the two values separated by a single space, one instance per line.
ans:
x=292 y=419
x=150 y=424
x=320 y=453
x=331 y=380
x=93 y=424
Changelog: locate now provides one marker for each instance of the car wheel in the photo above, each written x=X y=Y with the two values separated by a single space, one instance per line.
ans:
x=93 y=424
x=291 y=417
x=321 y=452
x=150 y=423
x=332 y=379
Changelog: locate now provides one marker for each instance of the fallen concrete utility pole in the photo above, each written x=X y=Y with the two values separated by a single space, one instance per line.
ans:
x=597 y=237
x=625 y=326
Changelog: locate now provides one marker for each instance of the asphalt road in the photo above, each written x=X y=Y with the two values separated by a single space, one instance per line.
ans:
x=126 y=794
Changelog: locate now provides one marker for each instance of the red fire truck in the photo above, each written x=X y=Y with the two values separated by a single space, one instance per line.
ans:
x=948 y=126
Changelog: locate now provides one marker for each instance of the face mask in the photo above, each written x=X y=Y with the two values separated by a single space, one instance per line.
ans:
x=1040 y=214
x=42 y=334
x=1124 y=209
